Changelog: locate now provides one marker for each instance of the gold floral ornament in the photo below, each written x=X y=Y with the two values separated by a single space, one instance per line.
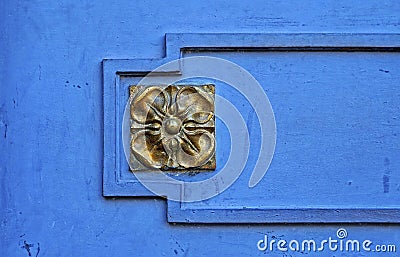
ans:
x=172 y=127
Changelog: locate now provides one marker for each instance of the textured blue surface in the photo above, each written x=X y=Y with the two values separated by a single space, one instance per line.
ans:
x=51 y=123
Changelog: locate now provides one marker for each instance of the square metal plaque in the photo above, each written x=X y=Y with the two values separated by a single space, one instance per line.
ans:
x=172 y=127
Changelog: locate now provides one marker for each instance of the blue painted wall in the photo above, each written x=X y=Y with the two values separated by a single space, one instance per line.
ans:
x=51 y=123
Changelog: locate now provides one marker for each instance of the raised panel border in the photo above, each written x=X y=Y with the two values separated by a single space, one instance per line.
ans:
x=175 y=45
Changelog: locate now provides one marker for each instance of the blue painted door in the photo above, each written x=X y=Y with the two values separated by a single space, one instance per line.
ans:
x=330 y=74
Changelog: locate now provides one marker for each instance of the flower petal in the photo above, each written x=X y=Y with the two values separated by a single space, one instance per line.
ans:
x=147 y=148
x=171 y=147
x=149 y=105
x=199 y=117
x=191 y=100
x=204 y=142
